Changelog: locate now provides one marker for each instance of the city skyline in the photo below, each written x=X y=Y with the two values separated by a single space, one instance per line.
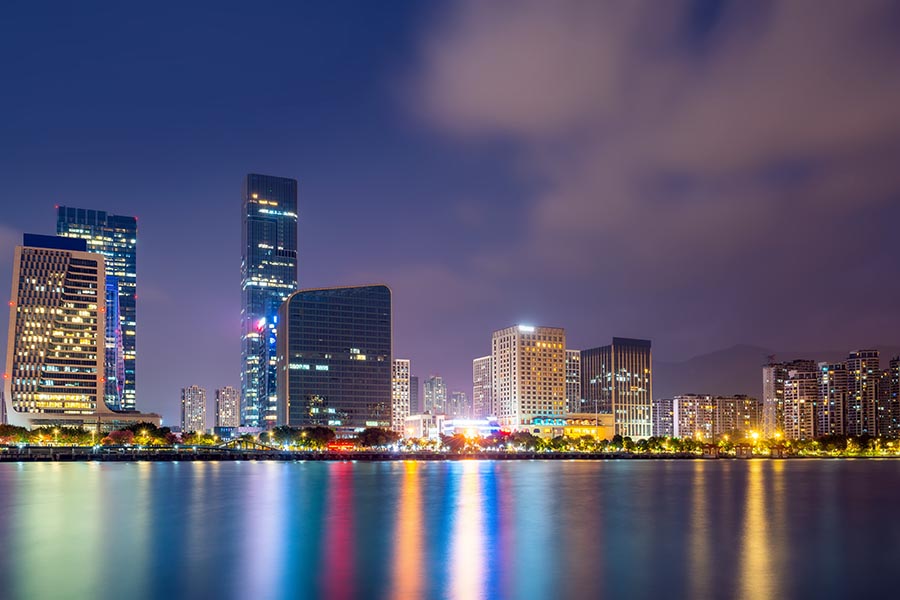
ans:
x=390 y=126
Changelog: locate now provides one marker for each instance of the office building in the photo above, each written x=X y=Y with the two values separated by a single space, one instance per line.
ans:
x=400 y=394
x=334 y=358
x=56 y=350
x=268 y=277
x=415 y=396
x=115 y=238
x=618 y=379
x=193 y=409
x=801 y=394
x=435 y=396
x=863 y=374
x=599 y=426
x=528 y=381
x=663 y=417
x=832 y=399
x=458 y=406
x=573 y=381
x=228 y=407
x=481 y=388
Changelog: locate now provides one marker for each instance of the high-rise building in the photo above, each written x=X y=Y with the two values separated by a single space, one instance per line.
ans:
x=435 y=396
x=618 y=379
x=694 y=416
x=114 y=237
x=114 y=393
x=458 y=406
x=415 y=404
x=528 y=379
x=774 y=375
x=889 y=400
x=399 y=394
x=56 y=351
x=663 y=417
x=334 y=358
x=193 y=409
x=228 y=407
x=801 y=394
x=268 y=277
x=832 y=399
x=573 y=382
x=481 y=388
x=863 y=373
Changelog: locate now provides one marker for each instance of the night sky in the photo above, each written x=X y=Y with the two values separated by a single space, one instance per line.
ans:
x=698 y=173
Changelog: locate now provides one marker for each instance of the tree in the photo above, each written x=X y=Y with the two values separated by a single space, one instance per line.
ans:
x=317 y=436
x=121 y=437
x=10 y=434
x=525 y=439
x=371 y=437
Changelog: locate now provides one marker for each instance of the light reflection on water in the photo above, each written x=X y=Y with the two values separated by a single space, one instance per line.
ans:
x=469 y=529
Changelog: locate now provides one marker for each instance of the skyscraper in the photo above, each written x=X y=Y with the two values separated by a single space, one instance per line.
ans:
x=573 y=381
x=528 y=379
x=114 y=237
x=863 y=373
x=56 y=351
x=618 y=379
x=268 y=276
x=889 y=400
x=832 y=399
x=801 y=394
x=115 y=350
x=481 y=388
x=399 y=394
x=193 y=409
x=334 y=358
x=694 y=416
x=415 y=405
x=228 y=407
x=775 y=374
x=435 y=395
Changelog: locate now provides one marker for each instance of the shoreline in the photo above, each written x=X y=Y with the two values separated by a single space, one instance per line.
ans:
x=77 y=454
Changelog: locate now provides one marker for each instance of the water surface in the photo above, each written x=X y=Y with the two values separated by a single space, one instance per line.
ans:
x=474 y=529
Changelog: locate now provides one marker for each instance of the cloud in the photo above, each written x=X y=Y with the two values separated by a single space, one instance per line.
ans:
x=683 y=143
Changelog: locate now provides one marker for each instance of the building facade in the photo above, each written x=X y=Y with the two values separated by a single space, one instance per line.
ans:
x=573 y=381
x=228 y=407
x=863 y=375
x=832 y=399
x=694 y=416
x=618 y=379
x=268 y=277
x=115 y=349
x=435 y=396
x=56 y=348
x=400 y=394
x=801 y=394
x=415 y=396
x=736 y=416
x=889 y=400
x=458 y=406
x=193 y=409
x=663 y=417
x=334 y=358
x=528 y=381
x=481 y=388
x=115 y=238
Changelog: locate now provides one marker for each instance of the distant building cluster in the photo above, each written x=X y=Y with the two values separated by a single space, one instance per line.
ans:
x=803 y=399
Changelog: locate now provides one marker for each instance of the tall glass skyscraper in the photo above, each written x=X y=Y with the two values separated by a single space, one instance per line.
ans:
x=268 y=276
x=334 y=358
x=114 y=237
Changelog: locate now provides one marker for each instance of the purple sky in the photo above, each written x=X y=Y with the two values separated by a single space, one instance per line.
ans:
x=698 y=173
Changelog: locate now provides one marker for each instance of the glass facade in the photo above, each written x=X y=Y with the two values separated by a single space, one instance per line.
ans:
x=114 y=393
x=268 y=276
x=114 y=237
x=618 y=379
x=334 y=358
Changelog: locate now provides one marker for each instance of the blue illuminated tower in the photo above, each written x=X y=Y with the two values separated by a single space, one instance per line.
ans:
x=268 y=276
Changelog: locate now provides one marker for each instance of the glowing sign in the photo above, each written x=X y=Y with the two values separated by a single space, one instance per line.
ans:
x=526 y=328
